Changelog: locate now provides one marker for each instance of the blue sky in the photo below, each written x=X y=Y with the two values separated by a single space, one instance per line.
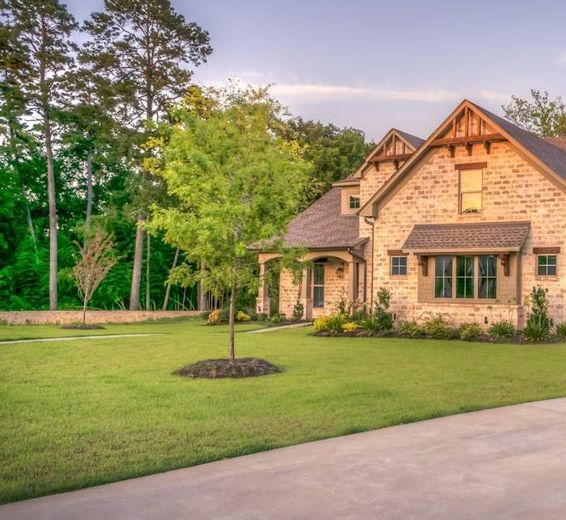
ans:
x=380 y=64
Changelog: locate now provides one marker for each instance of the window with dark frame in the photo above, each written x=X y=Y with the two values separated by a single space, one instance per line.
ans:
x=464 y=277
x=354 y=202
x=318 y=285
x=487 y=277
x=399 y=265
x=471 y=187
x=546 y=265
x=443 y=277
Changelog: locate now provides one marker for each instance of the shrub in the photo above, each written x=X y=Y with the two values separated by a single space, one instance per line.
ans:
x=214 y=317
x=261 y=316
x=380 y=319
x=349 y=327
x=561 y=330
x=359 y=314
x=410 y=329
x=539 y=323
x=242 y=316
x=439 y=328
x=250 y=311
x=321 y=324
x=470 y=331
x=501 y=330
x=343 y=307
x=335 y=323
x=298 y=310
x=277 y=317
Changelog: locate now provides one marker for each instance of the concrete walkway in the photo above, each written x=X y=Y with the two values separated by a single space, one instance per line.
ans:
x=279 y=327
x=495 y=464
x=73 y=338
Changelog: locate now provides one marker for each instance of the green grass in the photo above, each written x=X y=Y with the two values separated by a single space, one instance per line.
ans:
x=80 y=413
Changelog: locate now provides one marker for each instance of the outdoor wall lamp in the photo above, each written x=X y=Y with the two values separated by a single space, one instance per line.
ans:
x=340 y=271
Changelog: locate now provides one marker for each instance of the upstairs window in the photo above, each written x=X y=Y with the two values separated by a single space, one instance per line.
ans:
x=546 y=265
x=354 y=201
x=471 y=186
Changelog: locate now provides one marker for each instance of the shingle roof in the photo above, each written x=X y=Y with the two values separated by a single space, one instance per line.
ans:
x=557 y=141
x=322 y=225
x=413 y=140
x=496 y=236
x=550 y=154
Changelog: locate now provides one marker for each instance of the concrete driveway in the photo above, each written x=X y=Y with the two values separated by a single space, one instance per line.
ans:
x=501 y=463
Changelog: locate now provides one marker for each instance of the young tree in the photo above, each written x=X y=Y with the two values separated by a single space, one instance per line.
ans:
x=144 y=50
x=541 y=115
x=42 y=29
x=237 y=184
x=96 y=259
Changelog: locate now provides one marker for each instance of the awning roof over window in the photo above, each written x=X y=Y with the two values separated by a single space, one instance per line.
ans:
x=486 y=237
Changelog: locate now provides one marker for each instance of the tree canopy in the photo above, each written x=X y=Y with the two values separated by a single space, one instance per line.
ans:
x=236 y=184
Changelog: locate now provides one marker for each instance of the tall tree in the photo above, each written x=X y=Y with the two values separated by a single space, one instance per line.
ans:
x=43 y=29
x=335 y=152
x=540 y=115
x=236 y=183
x=145 y=50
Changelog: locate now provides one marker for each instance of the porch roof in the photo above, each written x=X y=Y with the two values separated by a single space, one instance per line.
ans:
x=477 y=237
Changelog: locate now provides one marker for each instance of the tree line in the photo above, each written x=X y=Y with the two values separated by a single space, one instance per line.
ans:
x=79 y=104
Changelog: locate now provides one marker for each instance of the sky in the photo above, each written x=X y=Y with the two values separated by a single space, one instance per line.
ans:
x=375 y=65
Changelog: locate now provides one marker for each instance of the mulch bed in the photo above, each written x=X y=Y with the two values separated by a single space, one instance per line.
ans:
x=361 y=333
x=219 y=368
x=80 y=326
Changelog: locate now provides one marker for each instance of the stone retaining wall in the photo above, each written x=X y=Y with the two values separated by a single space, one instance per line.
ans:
x=65 y=317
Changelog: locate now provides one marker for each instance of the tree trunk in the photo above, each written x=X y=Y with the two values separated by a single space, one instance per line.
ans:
x=202 y=304
x=147 y=273
x=85 y=303
x=137 y=268
x=52 y=216
x=168 y=287
x=89 y=188
x=231 y=352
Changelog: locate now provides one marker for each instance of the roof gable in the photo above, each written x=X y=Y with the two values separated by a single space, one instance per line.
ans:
x=471 y=124
x=395 y=145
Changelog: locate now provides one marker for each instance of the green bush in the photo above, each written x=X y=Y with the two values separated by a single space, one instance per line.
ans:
x=470 y=331
x=277 y=317
x=379 y=319
x=250 y=311
x=335 y=323
x=410 y=329
x=359 y=314
x=261 y=316
x=298 y=310
x=242 y=316
x=561 y=330
x=539 y=323
x=438 y=328
x=501 y=330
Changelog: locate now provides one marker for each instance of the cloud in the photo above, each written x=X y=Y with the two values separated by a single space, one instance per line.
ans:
x=561 y=60
x=326 y=92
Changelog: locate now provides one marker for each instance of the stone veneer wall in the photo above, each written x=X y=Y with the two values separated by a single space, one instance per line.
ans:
x=513 y=190
x=66 y=317
x=334 y=289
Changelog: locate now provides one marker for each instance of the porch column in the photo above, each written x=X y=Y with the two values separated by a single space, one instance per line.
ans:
x=306 y=294
x=262 y=300
x=352 y=293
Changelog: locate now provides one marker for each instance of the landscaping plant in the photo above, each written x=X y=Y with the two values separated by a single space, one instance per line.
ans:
x=470 y=331
x=438 y=328
x=561 y=330
x=502 y=330
x=539 y=323
x=410 y=329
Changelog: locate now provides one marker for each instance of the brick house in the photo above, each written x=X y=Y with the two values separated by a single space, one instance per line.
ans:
x=463 y=224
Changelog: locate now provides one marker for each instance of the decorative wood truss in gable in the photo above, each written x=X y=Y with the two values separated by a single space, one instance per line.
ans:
x=466 y=128
x=392 y=148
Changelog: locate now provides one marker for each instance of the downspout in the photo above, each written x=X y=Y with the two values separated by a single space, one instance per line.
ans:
x=371 y=222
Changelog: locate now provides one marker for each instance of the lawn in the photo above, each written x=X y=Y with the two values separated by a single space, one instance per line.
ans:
x=85 y=412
